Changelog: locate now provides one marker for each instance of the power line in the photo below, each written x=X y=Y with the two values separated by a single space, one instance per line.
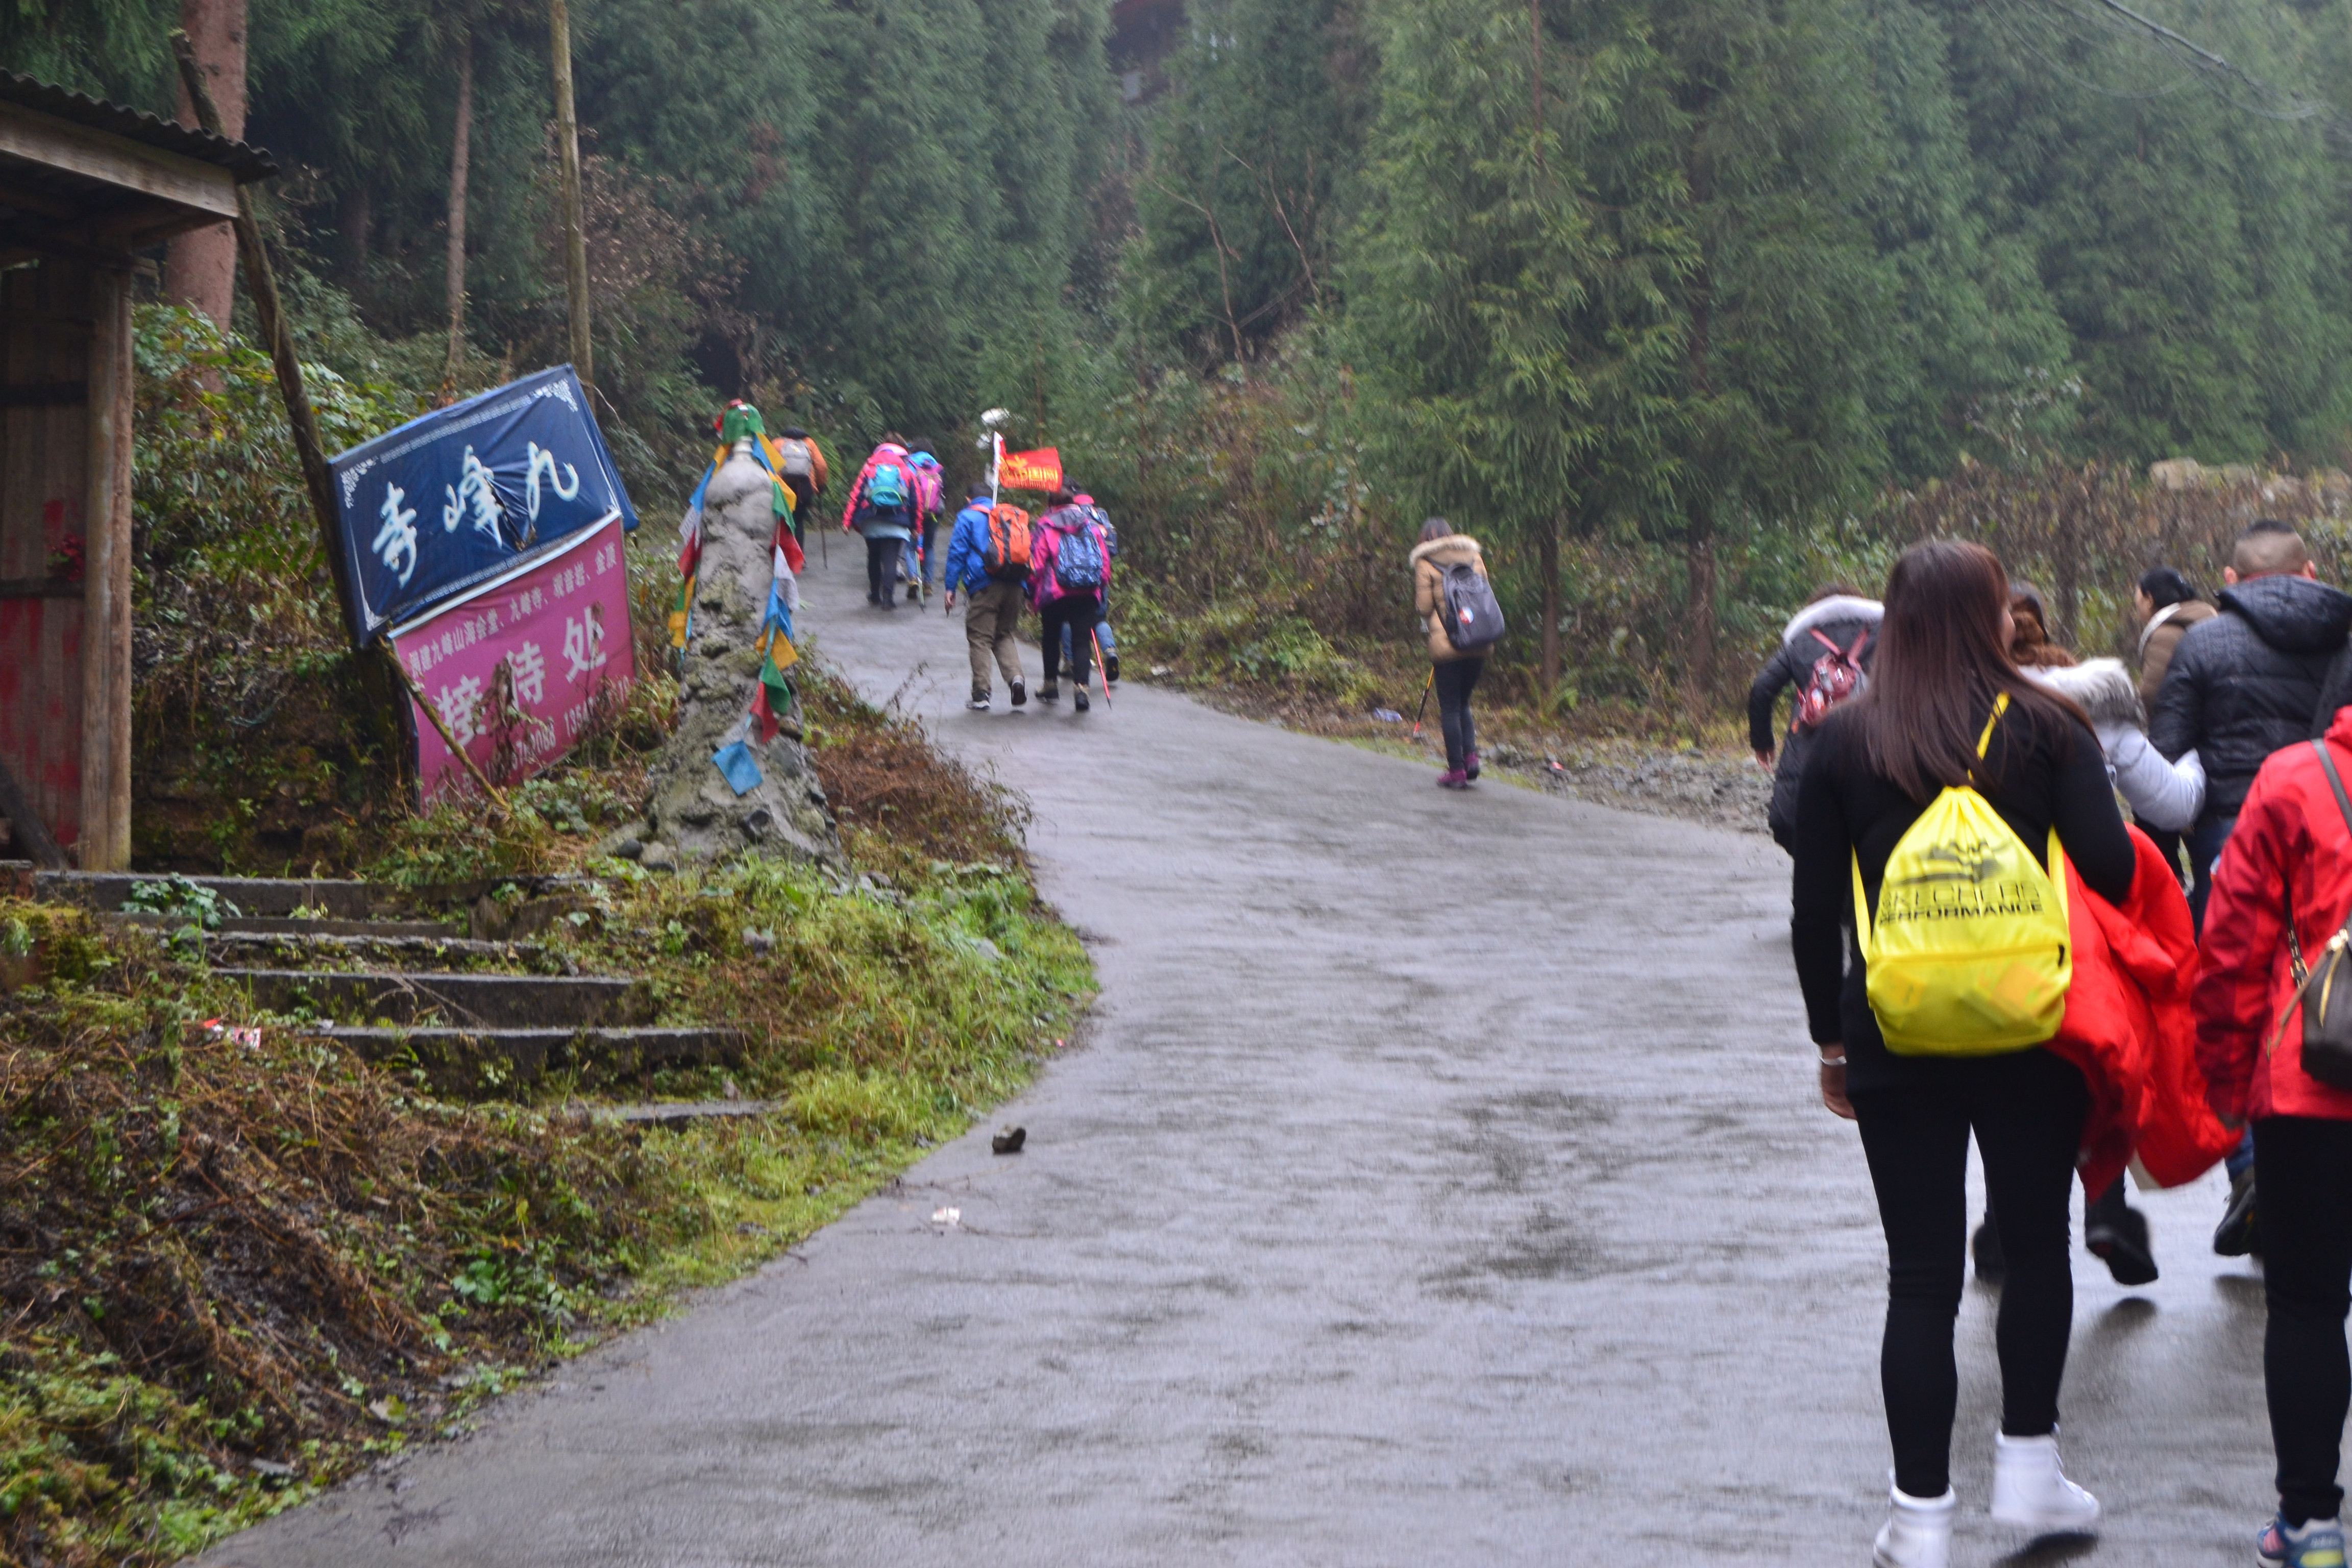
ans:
x=2226 y=79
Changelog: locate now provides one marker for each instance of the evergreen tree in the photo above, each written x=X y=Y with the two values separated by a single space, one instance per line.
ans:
x=1787 y=312
x=1666 y=312
x=1979 y=346
x=2193 y=247
x=1508 y=283
x=1243 y=186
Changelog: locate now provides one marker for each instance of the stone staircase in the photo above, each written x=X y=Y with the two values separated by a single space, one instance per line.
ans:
x=371 y=969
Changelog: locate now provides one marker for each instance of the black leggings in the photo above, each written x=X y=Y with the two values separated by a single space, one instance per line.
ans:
x=2302 y=1168
x=882 y=568
x=1074 y=614
x=1454 y=680
x=2027 y=1110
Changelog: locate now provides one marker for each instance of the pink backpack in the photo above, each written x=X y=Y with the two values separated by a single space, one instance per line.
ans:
x=1837 y=674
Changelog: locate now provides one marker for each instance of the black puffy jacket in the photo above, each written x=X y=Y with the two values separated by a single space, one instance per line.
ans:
x=2244 y=683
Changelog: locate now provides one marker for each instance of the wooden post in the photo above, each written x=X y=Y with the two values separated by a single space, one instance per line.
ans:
x=567 y=147
x=270 y=316
x=105 y=841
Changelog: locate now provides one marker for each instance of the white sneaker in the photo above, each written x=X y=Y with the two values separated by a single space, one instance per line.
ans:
x=2029 y=1488
x=1918 y=1533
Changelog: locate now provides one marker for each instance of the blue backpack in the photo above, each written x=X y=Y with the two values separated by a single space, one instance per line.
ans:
x=886 y=487
x=1078 y=559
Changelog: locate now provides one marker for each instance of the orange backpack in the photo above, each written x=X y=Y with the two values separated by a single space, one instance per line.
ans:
x=1006 y=557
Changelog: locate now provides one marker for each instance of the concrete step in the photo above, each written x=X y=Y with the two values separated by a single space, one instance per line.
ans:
x=286 y=925
x=479 y=1001
x=664 y=1112
x=273 y=925
x=500 y=1063
x=254 y=895
x=438 y=950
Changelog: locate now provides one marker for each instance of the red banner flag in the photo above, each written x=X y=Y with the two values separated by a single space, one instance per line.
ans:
x=1037 y=470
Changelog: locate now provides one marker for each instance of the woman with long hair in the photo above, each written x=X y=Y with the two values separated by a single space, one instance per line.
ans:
x=1934 y=700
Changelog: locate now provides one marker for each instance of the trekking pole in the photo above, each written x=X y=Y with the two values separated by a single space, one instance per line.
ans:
x=1423 y=707
x=1093 y=638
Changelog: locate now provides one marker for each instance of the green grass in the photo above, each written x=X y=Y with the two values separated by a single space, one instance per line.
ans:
x=230 y=1276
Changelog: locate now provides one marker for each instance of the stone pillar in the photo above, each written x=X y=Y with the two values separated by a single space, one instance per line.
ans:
x=694 y=808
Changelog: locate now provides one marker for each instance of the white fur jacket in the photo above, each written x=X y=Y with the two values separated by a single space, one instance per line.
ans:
x=2160 y=793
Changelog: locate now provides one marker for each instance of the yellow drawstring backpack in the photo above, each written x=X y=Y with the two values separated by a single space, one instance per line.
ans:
x=1969 y=953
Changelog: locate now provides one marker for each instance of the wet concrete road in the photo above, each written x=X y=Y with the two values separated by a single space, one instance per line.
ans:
x=1438 y=1182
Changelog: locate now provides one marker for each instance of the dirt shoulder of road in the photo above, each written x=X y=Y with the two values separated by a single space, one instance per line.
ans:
x=1718 y=786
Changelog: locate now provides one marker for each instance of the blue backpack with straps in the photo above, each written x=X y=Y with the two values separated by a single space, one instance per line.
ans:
x=886 y=487
x=1078 y=558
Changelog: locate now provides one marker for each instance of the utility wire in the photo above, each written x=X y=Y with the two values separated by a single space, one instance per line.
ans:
x=2226 y=80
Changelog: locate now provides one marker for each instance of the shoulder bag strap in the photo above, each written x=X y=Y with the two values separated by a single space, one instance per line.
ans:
x=2000 y=707
x=2304 y=973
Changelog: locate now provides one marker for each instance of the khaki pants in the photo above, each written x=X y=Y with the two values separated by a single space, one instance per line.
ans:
x=989 y=616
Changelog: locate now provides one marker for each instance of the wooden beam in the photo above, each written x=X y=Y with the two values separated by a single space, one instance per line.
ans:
x=105 y=841
x=49 y=142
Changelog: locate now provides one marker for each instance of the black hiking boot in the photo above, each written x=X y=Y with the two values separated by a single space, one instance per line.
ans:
x=2238 y=1236
x=1993 y=1266
x=1020 y=695
x=1049 y=694
x=2116 y=1234
x=1110 y=669
x=1078 y=700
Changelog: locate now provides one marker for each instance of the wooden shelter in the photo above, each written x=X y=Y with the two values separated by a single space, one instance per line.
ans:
x=84 y=188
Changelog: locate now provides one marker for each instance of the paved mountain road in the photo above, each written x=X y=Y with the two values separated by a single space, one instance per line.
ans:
x=1437 y=1181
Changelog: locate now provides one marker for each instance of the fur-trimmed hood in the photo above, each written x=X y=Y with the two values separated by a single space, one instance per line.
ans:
x=1838 y=607
x=2102 y=687
x=1451 y=550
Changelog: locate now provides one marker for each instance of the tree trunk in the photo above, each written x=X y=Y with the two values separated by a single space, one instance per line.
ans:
x=460 y=159
x=567 y=147
x=1698 y=538
x=1698 y=619
x=200 y=265
x=355 y=218
x=1548 y=548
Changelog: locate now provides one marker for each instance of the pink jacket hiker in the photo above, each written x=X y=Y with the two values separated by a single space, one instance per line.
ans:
x=1046 y=541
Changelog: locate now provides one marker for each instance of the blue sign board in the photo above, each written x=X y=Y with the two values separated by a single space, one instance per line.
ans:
x=454 y=498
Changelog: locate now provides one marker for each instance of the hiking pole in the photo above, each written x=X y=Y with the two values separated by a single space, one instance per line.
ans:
x=1423 y=707
x=1096 y=639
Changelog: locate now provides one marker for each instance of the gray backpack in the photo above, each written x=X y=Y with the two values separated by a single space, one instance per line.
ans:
x=1474 y=619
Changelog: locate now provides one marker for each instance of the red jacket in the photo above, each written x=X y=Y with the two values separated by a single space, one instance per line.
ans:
x=2128 y=1027
x=2290 y=846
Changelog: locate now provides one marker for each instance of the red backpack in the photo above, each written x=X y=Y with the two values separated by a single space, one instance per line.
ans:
x=1006 y=555
x=1837 y=674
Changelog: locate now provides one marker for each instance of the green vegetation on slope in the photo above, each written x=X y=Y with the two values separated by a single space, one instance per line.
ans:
x=232 y=1272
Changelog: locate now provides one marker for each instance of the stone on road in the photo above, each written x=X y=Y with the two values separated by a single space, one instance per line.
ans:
x=1439 y=1180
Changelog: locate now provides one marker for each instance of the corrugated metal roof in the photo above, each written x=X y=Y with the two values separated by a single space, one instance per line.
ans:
x=247 y=163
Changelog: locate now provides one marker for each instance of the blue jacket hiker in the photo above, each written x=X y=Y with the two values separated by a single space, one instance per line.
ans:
x=966 y=546
x=992 y=605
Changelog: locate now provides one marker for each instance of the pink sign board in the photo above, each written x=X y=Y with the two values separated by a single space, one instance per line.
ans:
x=520 y=666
